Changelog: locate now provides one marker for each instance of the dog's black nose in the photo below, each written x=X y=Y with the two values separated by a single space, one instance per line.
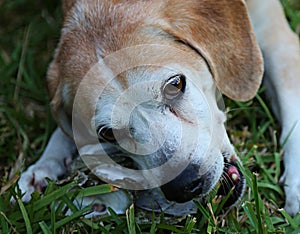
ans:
x=188 y=185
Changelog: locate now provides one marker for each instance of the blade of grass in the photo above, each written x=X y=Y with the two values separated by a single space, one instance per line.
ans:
x=45 y=228
x=46 y=200
x=69 y=203
x=250 y=214
x=233 y=223
x=249 y=154
x=189 y=224
x=5 y=222
x=25 y=216
x=96 y=190
x=289 y=219
x=153 y=225
x=73 y=216
x=277 y=168
x=202 y=209
x=221 y=205
x=21 y=65
x=266 y=109
x=53 y=217
x=168 y=227
x=114 y=215
x=268 y=222
x=206 y=214
x=289 y=134
x=95 y=226
x=266 y=185
x=258 y=204
x=130 y=220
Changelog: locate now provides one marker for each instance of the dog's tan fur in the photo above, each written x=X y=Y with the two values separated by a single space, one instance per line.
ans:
x=232 y=53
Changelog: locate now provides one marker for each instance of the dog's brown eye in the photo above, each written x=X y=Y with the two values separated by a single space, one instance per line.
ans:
x=174 y=86
x=106 y=134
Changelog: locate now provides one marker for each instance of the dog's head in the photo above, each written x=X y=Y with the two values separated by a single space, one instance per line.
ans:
x=143 y=76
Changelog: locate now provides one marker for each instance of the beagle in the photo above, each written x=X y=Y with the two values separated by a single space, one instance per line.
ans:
x=139 y=81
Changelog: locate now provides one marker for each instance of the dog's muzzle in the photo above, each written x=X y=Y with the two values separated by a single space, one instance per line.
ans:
x=189 y=185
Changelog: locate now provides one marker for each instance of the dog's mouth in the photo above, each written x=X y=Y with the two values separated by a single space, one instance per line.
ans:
x=228 y=192
x=231 y=185
x=179 y=193
x=190 y=185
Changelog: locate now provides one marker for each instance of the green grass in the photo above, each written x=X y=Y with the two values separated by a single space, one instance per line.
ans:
x=29 y=31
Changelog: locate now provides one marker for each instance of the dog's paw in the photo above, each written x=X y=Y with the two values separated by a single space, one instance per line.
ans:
x=292 y=193
x=119 y=201
x=292 y=200
x=34 y=178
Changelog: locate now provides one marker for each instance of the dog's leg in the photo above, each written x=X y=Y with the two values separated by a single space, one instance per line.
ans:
x=281 y=51
x=53 y=164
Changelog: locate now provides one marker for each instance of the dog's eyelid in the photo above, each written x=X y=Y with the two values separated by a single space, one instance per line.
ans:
x=105 y=133
x=100 y=127
x=174 y=86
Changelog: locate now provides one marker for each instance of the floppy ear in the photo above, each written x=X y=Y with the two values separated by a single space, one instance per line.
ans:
x=221 y=32
x=57 y=104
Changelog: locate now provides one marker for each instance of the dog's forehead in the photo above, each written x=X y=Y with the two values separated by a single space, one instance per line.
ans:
x=112 y=22
x=134 y=84
x=150 y=76
x=93 y=30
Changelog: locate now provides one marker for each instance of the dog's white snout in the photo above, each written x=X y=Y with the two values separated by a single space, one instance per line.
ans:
x=146 y=130
x=139 y=128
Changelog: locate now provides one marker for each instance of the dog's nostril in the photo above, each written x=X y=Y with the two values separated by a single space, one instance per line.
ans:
x=132 y=131
x=194 y=187
x=186 y=186
x=174 y=192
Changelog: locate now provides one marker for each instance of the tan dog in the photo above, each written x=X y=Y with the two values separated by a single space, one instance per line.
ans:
x=142 y=76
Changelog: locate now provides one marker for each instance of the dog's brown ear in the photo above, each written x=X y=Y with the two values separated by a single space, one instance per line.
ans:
x=221 y=32
x=67 y=5
x=57 y=104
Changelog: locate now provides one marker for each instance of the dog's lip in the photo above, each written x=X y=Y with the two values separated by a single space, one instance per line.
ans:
x=231 y=185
